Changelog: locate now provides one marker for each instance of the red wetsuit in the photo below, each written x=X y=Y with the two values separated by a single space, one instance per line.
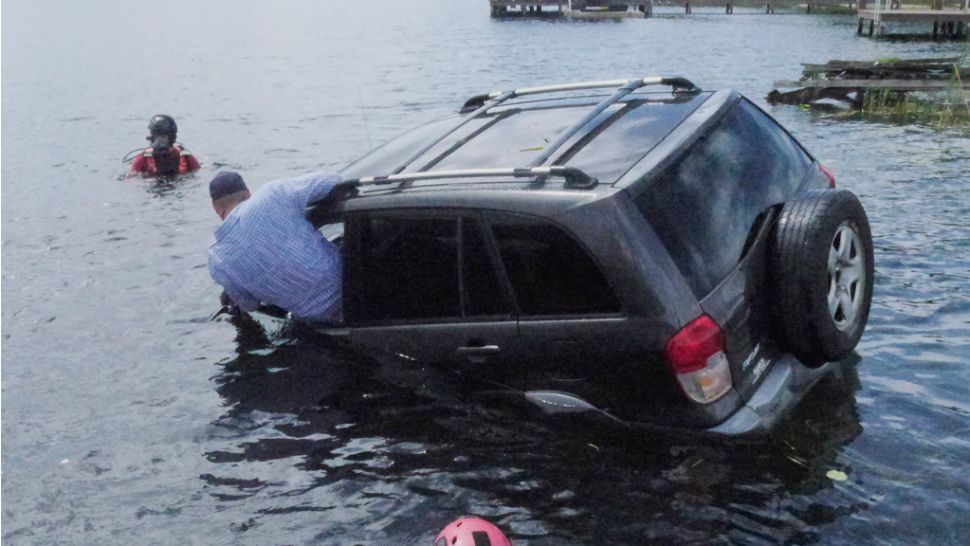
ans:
x=146 y=164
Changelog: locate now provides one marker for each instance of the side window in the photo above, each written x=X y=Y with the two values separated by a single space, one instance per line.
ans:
x=413 y=268
x=549 y=272
x=704 y=207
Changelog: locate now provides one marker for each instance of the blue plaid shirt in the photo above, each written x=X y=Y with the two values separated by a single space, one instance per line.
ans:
x=267 y=252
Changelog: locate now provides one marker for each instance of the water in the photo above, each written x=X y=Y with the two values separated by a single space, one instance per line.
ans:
x=128 y=417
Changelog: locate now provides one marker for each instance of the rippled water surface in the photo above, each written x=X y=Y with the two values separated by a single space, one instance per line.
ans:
x=128 y=417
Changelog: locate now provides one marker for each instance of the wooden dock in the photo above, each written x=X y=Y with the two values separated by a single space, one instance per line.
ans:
x=952 y=22
x=586 y=9
x=635 y=8
x=949 y=23
x=849 y=81
x=894 y=85
x=571 y=8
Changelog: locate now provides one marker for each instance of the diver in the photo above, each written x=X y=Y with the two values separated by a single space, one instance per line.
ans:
x=165 y=157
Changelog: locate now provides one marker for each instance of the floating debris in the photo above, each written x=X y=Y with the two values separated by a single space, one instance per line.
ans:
x=836 y=475
x=922 y=88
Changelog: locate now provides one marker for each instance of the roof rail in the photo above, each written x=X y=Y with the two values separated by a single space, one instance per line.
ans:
x=479 y=104
x=574 y=178
x=677 y=82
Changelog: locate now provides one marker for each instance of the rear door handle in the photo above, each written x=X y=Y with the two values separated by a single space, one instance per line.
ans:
x=480 y=354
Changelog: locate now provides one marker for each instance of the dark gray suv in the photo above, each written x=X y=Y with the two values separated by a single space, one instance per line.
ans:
x=659 y=253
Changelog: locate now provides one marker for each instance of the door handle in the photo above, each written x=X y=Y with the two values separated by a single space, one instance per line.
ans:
x=478 y=355
x=480 y=350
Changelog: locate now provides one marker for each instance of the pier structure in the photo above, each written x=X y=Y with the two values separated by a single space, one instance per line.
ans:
x=947 y=22
x=949 y=18
x=627 y=8
x=572 y=8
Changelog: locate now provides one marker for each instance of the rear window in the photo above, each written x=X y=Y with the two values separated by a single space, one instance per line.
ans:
x=621 y=141
x=549 y=272
x=704 y=207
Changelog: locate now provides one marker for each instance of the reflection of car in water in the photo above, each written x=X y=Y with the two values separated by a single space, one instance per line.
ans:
x=308 y=425
x=666 y=255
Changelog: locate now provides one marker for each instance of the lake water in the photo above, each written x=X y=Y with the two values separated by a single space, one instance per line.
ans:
x=129 y=417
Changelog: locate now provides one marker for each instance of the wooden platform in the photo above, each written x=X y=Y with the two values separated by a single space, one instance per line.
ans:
x=581 y=9
x=895 y=85
x=946 y=22
x=571 y=8
x=917 y=15
x=848 y=82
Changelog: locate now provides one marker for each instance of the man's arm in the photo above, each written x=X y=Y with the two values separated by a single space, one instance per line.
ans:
x=139 y=165
x=193 y=163
x=312 y=187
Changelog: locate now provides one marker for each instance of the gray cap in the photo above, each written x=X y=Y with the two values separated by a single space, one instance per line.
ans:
x=226 y=183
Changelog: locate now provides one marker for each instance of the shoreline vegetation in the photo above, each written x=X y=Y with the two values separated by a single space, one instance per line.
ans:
x=934 y=92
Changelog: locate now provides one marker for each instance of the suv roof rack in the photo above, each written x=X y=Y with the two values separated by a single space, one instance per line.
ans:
x=677 y=82
x=574 y=178
x=479 y=104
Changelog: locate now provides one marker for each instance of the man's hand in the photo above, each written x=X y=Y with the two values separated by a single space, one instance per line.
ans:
x=224 y=299
x=228 y=306
x=341 y=191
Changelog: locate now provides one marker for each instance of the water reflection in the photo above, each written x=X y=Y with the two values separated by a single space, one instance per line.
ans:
x=410 y=448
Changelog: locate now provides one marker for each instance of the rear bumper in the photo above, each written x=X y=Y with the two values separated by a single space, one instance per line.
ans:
x=786 y=383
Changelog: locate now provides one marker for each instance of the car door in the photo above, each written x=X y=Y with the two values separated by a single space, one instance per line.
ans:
x=421 y=284
x=574 y=334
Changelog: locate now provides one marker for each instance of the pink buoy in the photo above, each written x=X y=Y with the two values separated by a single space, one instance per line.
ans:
x=471 y=531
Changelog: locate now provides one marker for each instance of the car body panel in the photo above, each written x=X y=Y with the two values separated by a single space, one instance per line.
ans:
x=489 y=349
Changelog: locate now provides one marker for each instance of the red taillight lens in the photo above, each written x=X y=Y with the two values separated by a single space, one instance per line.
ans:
x=697 y=357
x=828 y=172
x=690 y=348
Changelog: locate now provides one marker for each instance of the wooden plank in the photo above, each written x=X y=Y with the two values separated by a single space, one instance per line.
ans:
x=902 y=85
x=924 y=15
x=526 y=2
x=938 y=69
x=901 y=63
x=544 y=3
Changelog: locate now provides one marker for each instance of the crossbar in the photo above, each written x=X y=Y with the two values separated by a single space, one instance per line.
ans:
x=574 y=178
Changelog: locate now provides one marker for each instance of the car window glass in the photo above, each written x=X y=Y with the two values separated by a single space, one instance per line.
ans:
x=704 y=207
x=609 y=153
x=515 y=140
x=462 y=135
x=403 y=268
x=407 y=268
x=384 y=159
x=549 y=272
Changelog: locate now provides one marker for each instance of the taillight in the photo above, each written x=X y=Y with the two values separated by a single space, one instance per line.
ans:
x=829 y=174
x=697 y=357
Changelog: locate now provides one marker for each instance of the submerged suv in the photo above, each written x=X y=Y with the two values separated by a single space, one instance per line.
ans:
x=662 y=254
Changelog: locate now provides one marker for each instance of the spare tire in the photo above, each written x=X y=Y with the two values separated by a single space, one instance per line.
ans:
x=821 y=274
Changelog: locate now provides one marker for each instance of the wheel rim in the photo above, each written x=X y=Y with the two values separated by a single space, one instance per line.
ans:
x=847 y=276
